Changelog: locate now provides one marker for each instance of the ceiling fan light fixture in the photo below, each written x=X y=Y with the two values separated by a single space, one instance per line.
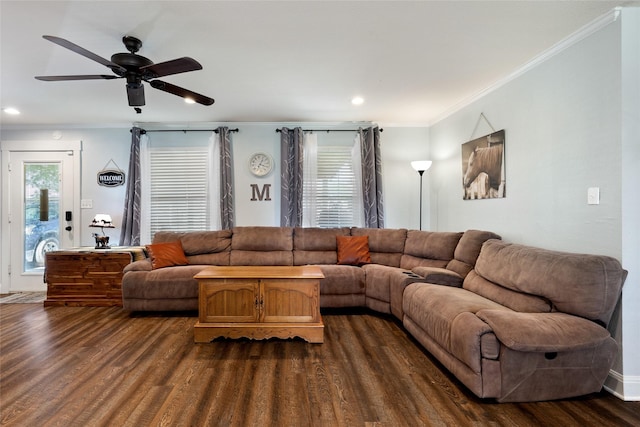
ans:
x=189 y=100
x=357 y=100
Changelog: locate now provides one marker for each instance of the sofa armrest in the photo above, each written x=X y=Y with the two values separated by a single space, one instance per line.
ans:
x=439 y=276
x=543 y=332
x=141 y=265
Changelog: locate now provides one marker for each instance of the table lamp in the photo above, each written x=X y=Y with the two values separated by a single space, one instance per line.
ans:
x=102 y=221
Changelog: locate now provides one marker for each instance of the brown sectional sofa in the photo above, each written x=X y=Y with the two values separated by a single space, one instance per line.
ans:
x=511 y=322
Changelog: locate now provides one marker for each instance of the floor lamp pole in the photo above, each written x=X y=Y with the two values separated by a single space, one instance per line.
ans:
x=420 y=172
x=420 y=166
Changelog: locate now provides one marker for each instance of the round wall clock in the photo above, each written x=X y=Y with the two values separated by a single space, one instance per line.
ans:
x=260 y=164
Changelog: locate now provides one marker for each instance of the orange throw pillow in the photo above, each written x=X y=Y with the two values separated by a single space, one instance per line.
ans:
x=166 y=254
x=353 y=250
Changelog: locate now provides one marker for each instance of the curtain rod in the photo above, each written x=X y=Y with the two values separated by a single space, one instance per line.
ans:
x=328 y=130
x=143 y=131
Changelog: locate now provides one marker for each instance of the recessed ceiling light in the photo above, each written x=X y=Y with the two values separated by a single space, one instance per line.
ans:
x=189 y=101
x=357 y=100
x=11 y=110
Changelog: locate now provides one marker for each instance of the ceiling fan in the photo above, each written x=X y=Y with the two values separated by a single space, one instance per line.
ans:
x=135 y=69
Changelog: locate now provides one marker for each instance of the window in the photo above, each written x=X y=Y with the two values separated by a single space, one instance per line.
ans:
x=331 y=186
x=178 y=189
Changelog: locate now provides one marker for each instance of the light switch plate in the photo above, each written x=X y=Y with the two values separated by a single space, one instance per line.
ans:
x=86 y=204
x=593 y=195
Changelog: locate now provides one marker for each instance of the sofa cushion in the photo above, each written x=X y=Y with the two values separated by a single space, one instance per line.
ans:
x=201 y=247
x=447 y=315
x=316 y=245
x=342 y=280
x=517 y=301
x=377 y=279
x=385 y=244
x=435 y=307
x=206 y=242
x=385 y=286
x=468 y=249
x=585 y=285
x=353 y=250
x=218 y=258
x=262 y=246
x=241 y=257
x=166 y=254
x=317 y=239
x=262 y=238
x=429 y=249
x=164 y=284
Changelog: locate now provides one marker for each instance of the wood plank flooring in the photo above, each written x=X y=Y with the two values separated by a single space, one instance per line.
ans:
x=100 y=366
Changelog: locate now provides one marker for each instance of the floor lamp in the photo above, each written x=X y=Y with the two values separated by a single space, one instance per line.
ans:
x=420 y=166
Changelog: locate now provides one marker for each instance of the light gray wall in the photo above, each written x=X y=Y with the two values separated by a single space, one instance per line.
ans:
x=401 y=186
x=100 y=145
x=564 y=124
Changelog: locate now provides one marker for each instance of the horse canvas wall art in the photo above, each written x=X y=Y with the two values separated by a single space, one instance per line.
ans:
x=483 y=168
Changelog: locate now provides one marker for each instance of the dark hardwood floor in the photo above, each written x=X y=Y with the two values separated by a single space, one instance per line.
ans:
x=83 y=366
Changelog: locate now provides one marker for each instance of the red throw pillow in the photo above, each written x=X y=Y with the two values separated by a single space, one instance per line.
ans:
x=166 y=254
x=353 y=250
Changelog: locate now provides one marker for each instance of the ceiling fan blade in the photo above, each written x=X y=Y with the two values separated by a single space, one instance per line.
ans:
x=182 y=92
x=84 y=52
x=77 y=77
x=175 y=66
x=135 y=94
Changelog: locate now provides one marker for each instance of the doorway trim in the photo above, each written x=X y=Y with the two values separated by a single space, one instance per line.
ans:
x=6 y=148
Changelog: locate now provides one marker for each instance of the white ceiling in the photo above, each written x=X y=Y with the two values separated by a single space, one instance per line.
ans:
x=271 y=61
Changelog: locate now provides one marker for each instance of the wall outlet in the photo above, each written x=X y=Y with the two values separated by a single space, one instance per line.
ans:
x=593 y=196
x=86 y=204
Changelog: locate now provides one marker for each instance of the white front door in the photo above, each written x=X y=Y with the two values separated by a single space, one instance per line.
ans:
x=41 y=213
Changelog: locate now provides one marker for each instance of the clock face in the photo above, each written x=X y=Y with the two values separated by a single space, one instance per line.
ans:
x=260 y=164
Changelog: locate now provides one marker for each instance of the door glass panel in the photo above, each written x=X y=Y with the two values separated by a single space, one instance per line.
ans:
x=41 y=213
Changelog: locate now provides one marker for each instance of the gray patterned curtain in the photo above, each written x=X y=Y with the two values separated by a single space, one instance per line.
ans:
x=291 y=177
x=226 y=179
x=130 y=234
x=371 y=177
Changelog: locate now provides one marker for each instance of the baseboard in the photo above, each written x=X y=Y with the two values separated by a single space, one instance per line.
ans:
x=623 y=387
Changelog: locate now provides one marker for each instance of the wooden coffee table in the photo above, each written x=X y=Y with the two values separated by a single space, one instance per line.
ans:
x=259 y=302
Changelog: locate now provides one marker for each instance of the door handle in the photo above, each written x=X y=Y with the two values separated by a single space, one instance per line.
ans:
x=68 y=217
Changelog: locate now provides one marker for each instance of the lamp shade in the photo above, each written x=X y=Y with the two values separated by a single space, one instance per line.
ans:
x=102 y=220
x=421 y=165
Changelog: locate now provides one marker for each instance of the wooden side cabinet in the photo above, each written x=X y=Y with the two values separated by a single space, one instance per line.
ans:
x=85 y=277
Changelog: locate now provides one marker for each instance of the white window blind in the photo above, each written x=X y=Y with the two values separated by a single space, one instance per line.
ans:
x=334 y=188
x=178 y=189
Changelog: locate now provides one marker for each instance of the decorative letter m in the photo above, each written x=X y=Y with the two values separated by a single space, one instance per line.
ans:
x=256 y=194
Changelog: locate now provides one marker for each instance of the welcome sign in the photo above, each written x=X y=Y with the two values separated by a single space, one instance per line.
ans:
x=111 y=177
